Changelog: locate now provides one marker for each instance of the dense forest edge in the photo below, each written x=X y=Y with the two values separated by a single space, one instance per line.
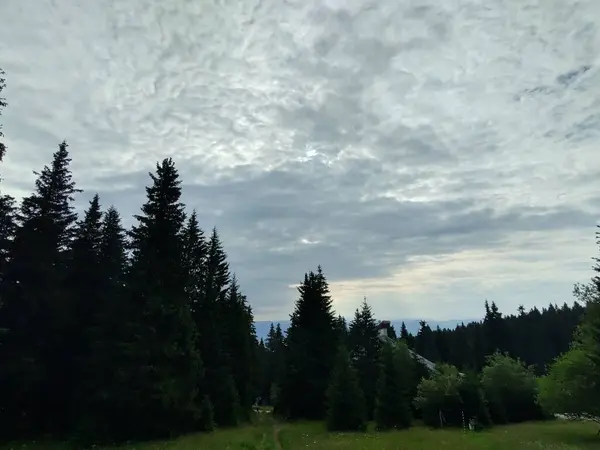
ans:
x=111 y=335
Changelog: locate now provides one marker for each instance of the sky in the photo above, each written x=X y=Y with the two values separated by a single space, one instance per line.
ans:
x=428 y=154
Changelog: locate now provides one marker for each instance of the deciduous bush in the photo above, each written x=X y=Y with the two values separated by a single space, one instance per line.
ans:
x=448 y=397
x=572 y=385
x=511 y=390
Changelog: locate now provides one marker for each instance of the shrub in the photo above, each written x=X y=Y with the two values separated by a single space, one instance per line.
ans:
x=568 y=388
x=438 y=399
x=449 y=398
x=510 y=389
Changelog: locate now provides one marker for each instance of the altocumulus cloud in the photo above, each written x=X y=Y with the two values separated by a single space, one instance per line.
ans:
x=428 y=154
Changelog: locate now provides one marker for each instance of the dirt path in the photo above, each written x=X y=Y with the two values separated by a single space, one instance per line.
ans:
x=276 y=438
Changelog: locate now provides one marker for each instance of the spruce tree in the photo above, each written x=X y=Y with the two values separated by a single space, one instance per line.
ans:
x=425 y=344
x=35 y=309
x=392 y=405
x=212 y=326
x=162 y=365
x=364 y=346
x=345 y=400
x=311 y=345
x=239 y=340
x=495 y=330
x=8 y=226
x=404 y=333
x=406 y=368
x=342 y=327
x=261 y=381
x=2 y=106
x=7 y=206
x=195 y=253
x=86 y=293
x=99 y=414
x=113 y=257
x=275 y=346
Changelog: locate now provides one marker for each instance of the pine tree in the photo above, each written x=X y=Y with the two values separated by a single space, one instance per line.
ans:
x=35 y=308
x=7 y=206
x=261 y=381
x=342 y=328
x=311 y=345
x=392 y=333
x=212 y=327
x=7 y=232
x=275 y=362
x=458 y=347
x=100 y=391
x=162 y=363
x=195 y=254
x=8 y=227
x=240 y=339
x=113 y=255
x=392 y=405
x=2 y=106
x=404 y=333
x=596 y=278
x=50 y=210
x=495 y=329
x=86 y=293
x=364 y=348
x=345 y=400
x=425 y=344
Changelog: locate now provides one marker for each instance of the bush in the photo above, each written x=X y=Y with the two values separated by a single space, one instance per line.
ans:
x=345 y=400
x=567 y=388
x=420 y=373
x=438 y=399
x=511 y=390
x=474 y=404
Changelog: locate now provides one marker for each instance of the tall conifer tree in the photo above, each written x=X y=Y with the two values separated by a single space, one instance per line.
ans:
x=7 y=205
x=213 y=330
x=311 y=345
x=100 y=391
x=392 y=406
x=2 y=106
x=240 y=339
x=85 y=294
x=163 y=365
x=345 y=400
x=35 y=308
x=364 y=350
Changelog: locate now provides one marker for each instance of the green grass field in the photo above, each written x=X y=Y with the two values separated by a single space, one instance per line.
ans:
x=267 y=435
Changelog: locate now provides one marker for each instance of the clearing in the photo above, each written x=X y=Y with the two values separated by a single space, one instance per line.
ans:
x=267 y=435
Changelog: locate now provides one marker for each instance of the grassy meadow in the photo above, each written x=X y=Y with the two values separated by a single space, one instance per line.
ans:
x=265 y=434
x=556 y=435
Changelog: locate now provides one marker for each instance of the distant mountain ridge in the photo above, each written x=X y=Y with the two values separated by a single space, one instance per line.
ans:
x=412 y=325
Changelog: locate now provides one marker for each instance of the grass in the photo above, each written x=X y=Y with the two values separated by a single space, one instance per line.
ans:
x=554 y=435
x=265 y=434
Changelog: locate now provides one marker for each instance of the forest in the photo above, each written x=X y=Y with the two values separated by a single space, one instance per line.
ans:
x=111 y=335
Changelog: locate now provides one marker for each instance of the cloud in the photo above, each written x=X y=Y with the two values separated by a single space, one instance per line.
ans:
x=429 y=155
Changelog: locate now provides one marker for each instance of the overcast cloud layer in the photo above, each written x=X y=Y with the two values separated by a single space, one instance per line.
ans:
x=429 y=154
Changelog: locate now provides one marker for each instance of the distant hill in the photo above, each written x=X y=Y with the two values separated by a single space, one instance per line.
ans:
x=262 y=326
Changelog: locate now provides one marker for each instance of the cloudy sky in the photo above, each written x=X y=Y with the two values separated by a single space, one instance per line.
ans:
x=429 y=154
